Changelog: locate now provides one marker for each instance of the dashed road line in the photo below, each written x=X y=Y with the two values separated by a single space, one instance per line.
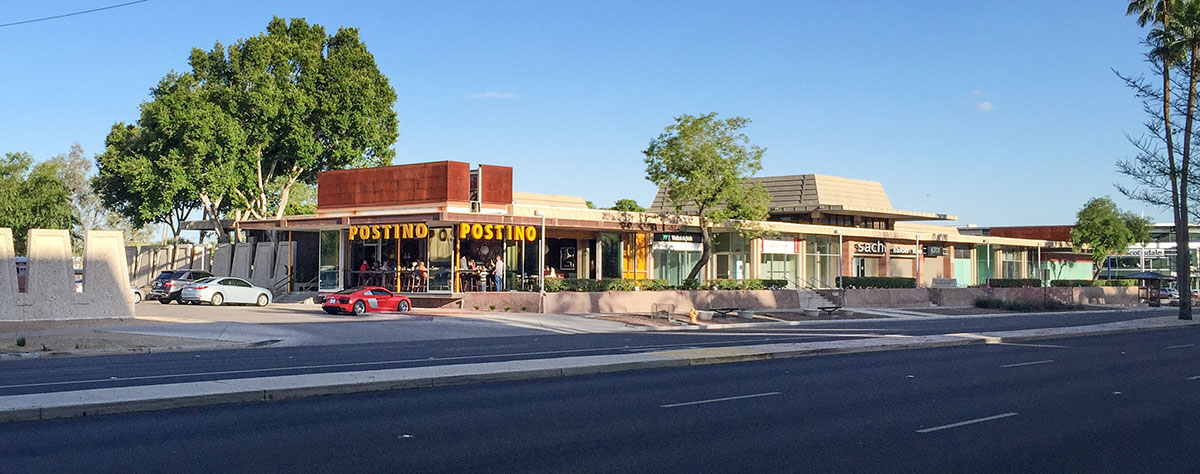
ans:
x=1052 y=346
x=1028 y=363
x=1181 y=346
x=725 y=399
x=965 y=423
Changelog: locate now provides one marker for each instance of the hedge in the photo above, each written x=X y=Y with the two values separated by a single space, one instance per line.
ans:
x=1077 y=283
x=989 y=302
x=878 y=282
x=618 y=284
x=1013 y=282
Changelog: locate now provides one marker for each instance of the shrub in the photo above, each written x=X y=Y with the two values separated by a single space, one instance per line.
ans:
x=689 y=284
x=555 y=284
x=991 y=302
x=878 y=282
x=523 y=308
x=656 y=284
x=21 y=341
x=775 y=284
x=1078 y=283
x=1013 y=282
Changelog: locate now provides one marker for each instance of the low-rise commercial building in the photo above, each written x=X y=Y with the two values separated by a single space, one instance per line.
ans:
x=439 y=227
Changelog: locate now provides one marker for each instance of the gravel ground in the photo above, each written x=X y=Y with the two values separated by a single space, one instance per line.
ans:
x=84 y=336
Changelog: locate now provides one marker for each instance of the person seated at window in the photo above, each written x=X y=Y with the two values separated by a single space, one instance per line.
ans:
x=423 y=271
x=550 y=273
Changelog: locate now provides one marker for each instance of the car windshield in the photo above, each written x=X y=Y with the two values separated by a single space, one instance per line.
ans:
x=171 y=275
x=205 y=280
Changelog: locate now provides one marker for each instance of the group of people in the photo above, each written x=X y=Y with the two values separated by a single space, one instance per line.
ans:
x=388 y=266
x=496 y=271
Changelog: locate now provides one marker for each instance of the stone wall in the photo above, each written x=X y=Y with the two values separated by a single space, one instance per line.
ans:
x=50 y=285
x=634 y=301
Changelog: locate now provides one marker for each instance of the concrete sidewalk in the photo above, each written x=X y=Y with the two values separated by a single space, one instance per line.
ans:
x=154 y=397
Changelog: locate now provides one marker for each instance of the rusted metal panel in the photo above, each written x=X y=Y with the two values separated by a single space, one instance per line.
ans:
x=496 y=184
x=394 y=185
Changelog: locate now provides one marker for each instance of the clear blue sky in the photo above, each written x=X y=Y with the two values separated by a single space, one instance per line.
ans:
x=1003 y=113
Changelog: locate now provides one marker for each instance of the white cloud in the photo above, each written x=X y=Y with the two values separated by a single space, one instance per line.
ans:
x=493 y=95
x=984 y=107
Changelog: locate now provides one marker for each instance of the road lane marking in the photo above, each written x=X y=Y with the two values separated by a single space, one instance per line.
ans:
x=1028 y=363
x=267 y=370
x=1181 y=346
x=1035 y=345
x=1194 y=377
x=965 y=423
x=725 y=399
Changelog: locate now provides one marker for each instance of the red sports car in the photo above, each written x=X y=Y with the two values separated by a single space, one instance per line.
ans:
x=362 y=299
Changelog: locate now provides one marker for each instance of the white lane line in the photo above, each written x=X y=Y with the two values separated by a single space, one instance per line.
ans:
x=1181 y=346
x=1034 y=345
x=673 y=405
x=964 y=423
x=1194 y=377
x=1028 y=363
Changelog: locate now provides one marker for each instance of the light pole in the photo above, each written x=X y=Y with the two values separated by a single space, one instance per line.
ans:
x=542 y=254
x=839 y=234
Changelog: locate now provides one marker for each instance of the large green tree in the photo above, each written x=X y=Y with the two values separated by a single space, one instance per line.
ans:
x=704 y=163
x=1174 y=42
x=1103 y=230
x=627 y=205
x=32 y=196
x=307 y=102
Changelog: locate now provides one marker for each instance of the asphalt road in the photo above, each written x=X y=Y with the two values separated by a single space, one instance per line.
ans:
x=63 y=374
x=1121 y=403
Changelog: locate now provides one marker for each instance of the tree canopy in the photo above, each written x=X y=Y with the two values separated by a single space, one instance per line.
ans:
x=32 y=196
x=1103 y=230
x=627 y=205
x=704 y=163
x=235 y=133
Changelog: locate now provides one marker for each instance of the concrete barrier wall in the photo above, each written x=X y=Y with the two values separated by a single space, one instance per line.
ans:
x=635 y=301
x=243 y=256
x=514 y=300
x=264 y=263
x=887 y=298
x=222 y=260
x=50 y=286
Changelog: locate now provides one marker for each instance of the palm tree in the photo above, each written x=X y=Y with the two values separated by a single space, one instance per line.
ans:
x=1165 y=44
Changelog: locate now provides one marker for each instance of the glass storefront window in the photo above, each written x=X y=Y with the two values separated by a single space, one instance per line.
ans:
x=780 y=267
x=673 y=265
x=610 y=254
x=901 y=267
x=441 y=258
x=330 y=260
x=822 y=259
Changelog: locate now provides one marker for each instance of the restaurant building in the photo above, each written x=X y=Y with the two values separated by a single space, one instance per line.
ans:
x=438 y=228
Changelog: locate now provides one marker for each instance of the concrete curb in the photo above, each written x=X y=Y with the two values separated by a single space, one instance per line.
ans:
x=44 y=406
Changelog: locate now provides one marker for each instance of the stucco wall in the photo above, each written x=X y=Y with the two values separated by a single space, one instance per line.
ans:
x=50 y=287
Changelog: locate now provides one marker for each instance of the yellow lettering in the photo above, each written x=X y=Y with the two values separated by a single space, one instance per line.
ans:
x=364 y=232
x=531 y=233
x=487 y=233
x=387 y=232
x=407 y=231
x=374 y=232
x=353 y=232
x=499 y=231
x=476 y=231
x=518 y=232
x=423 y=231
x=464 y=230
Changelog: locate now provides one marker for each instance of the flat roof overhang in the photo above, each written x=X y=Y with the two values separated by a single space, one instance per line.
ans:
x=317 y=223
x=878 y=212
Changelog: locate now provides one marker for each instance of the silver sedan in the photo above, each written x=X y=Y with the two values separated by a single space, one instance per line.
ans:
x=221 y=290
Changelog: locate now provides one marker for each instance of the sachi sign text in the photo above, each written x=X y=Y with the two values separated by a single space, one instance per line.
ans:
x=527 y=233
x=389 y=231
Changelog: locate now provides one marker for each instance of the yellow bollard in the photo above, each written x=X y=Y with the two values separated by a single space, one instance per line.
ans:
x=693 y=314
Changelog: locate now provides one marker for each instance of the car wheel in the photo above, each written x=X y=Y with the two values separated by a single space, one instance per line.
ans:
x=137 y=297
x=330 y=310
x=217 y=299
x=402 y=307
x=359 y=308
x=164 y=300
x=179 y=297
x=262 y=300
